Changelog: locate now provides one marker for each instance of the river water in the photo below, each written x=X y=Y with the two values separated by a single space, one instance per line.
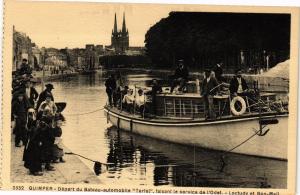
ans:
x=145 y=161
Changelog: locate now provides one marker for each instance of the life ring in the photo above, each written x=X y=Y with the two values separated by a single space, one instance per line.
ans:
x=242 y=102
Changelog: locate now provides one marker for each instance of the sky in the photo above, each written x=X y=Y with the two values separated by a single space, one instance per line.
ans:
x=72 y=25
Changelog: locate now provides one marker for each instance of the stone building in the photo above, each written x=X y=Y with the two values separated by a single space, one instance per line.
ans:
x=120 y=39
x=22 y=49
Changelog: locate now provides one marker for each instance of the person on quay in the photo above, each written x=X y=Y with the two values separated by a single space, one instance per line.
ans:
x=208 y=90
x=32 y=156
x=47 y=139
x=180 y=77
x=156 y=88
x=58 y=151
x=46 y=92
x=19 y=112
x=140 y=102
x=24 y=68
x=238 y=85
x=128 y=100
x=110 y=85
x=30 y=93
x=48 y=104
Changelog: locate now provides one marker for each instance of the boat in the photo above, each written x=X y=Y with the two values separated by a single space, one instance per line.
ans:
x=180 y=119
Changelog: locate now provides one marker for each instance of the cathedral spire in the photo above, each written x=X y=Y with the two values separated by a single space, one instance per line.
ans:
x=124 y=24
x=115 y=25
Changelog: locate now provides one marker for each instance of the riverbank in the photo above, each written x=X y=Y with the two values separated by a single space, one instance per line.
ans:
x=73 y=171
x=47 y=76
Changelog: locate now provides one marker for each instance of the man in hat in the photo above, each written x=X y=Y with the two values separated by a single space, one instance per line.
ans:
x=25 y=68
x=180 y=77
x=43 y=95
x=208 y=90
x=19 y=111
x=238 y=85
x=30 y=93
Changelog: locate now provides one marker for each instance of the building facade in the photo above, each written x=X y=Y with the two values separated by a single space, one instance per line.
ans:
x=120 y=39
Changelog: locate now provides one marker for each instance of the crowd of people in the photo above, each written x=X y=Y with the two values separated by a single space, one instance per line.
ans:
x=37 y=122
x=126 y=99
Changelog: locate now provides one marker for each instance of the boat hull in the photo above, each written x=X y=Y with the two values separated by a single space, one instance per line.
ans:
x=223 y=135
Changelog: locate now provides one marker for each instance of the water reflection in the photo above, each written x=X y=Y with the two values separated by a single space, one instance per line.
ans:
x=180 y=165
x=145 y=161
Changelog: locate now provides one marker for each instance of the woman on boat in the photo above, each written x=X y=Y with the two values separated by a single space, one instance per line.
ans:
x=128 y=101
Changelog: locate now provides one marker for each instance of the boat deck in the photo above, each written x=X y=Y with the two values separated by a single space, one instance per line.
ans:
x=164 y=119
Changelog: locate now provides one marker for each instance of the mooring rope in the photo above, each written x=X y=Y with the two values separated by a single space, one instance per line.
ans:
x=84 y=113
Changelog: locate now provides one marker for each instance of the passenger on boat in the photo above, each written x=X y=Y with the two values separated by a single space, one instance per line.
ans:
x=46 y=92
x=238 y=85
x=208 y=90
x=156 y=88
x=219 y=72
x=128 y=100
x=117 y=96
x=180 y=77
x=140 y=101
x=111 y=86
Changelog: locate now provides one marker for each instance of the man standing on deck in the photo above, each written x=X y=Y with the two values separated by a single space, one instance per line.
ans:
x=30 y=93
x=208 y=90
x=111 y=86
x=156 y=88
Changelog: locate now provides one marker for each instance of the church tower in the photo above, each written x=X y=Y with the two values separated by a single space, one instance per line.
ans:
x=120 y=39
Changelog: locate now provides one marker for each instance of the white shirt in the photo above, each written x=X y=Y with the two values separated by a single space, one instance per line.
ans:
x=240 y=88
x=128 y=99
x=140 y=100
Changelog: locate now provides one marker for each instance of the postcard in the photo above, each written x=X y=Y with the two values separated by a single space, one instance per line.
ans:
x=149 y=98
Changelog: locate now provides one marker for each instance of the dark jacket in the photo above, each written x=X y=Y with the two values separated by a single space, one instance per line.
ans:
x=234 y=85
x=110 y=85
x=181 y=73
x=20 y=108
x=33 y=96
x=25 y=69
x=42 y=97
x=210 y=87
x=156 y=89
x=218 y=71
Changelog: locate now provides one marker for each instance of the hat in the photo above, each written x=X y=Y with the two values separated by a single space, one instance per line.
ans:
x=50 y=86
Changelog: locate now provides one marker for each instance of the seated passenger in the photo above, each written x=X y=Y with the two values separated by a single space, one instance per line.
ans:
x=180 y=77
x=127 y=101
x=140 y=102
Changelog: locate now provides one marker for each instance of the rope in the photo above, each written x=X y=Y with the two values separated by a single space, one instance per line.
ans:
x=85 y=113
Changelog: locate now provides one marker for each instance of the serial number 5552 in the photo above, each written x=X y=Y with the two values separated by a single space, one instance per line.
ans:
x=18 y=187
